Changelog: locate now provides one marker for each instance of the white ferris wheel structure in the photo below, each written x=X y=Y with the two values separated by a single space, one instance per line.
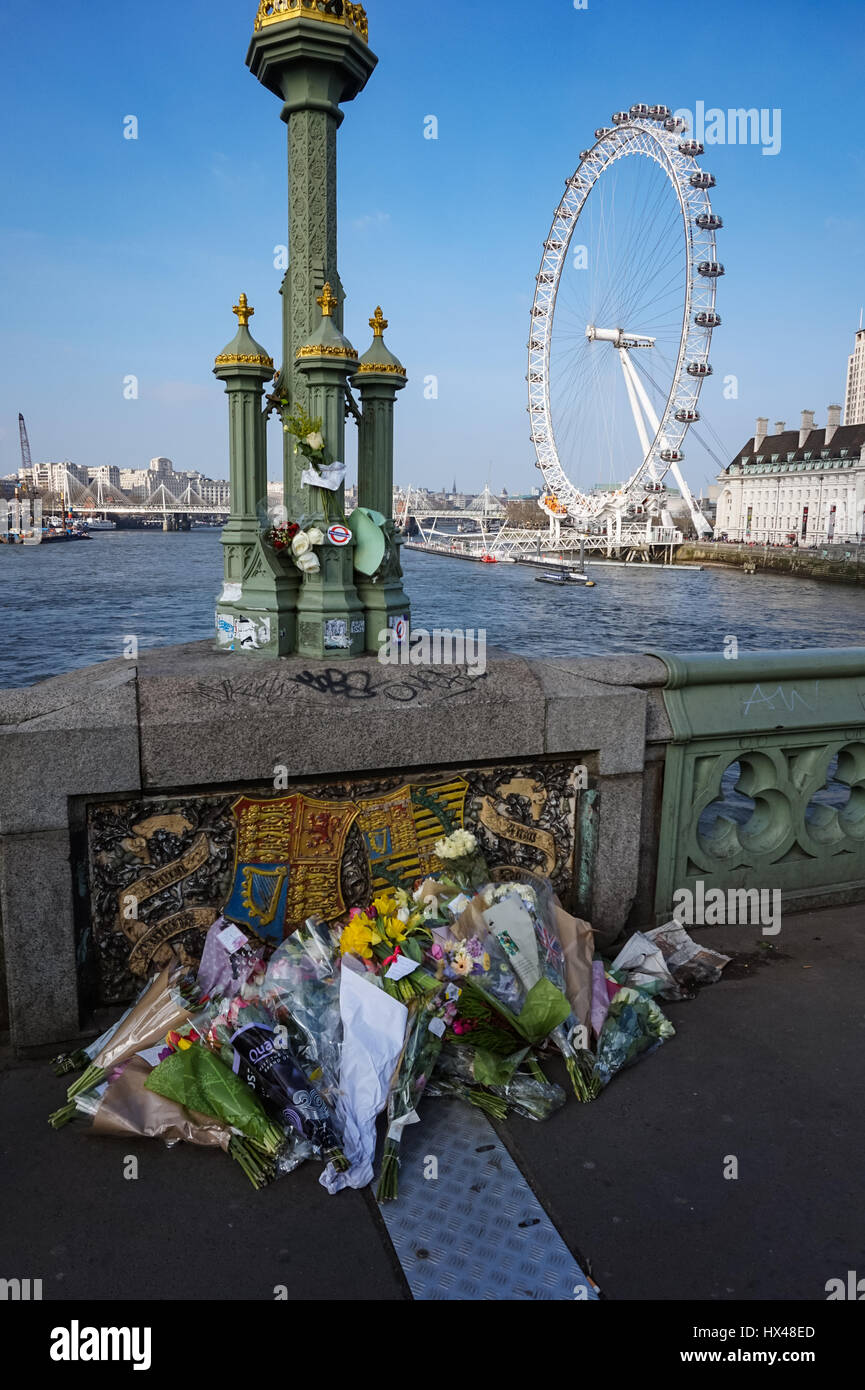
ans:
x=628 y=332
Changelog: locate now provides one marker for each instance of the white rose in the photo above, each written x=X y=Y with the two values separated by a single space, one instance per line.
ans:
x=403 y=914
x=300 y=544
x=308 y=563
x=316 y=537
x=459 y=845
x=315 y=440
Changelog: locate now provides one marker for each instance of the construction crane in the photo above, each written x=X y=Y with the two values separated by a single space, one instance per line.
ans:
x=25 y=443
x=26 y=460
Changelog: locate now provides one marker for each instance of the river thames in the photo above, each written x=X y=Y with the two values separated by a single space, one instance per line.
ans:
x=66 y=606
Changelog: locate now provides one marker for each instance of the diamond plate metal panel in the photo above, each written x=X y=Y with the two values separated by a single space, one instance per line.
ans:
x=476 y=1231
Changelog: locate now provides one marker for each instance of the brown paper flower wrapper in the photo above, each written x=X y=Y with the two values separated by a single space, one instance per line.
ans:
x=128 y=1108
x=155 y=1014
x=578 y=945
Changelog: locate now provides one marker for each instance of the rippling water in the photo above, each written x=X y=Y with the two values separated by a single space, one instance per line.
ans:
x=64 y=606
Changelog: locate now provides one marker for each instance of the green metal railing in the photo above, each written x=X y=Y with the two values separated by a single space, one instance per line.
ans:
x=794 y=722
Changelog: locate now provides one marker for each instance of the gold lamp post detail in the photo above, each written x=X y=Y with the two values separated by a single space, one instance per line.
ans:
x=327 y=301
x=378 y=323
x=244 y=311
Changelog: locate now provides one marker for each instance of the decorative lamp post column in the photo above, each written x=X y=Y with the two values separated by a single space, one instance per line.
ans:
x=314 y=55
x=330 y=616
x=255 y=610
x=378 y=378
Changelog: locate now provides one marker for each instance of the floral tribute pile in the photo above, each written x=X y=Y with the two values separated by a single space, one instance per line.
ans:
x=461 y=987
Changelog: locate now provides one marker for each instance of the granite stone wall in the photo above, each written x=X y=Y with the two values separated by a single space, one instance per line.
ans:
x=125 y=787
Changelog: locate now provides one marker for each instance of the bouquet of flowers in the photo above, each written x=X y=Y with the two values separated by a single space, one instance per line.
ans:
x=310 y=442
x=567 y=1034
x=374 y=1029
x=307 y=433
x=634 y=1027
x=495 y=1084
x=420 y=1053
x=301 y=991
x=258 y=1051
x=196 y=1079
x=125 y=1107
x=389 y=938
x=158 y=1009
x=464 y=862
x=298 y=540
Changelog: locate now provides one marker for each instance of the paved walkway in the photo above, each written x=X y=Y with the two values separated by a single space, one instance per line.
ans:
x=765 y=1067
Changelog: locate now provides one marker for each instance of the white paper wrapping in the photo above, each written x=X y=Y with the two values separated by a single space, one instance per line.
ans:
x=373 y=1035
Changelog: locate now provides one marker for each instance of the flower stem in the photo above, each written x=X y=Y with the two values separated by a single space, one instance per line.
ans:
x=388 y=1183
x=62 y=1116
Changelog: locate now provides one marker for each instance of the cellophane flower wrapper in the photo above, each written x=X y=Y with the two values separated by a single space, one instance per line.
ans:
x=75 y=1061
x=223 y=972
x=633 y=1028
x=569 y=1035
x=419 y=1057
x=301 y=990
x=494 y=1084
x=263 y=1058
x=489 y=965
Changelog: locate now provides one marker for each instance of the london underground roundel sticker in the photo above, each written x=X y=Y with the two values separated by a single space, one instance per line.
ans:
x=338 y=535
x=400 y=629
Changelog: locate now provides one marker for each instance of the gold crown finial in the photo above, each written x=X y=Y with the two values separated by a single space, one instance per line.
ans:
x=244 y=311
x=378 y=323
x=351 y=16
x=328 y=301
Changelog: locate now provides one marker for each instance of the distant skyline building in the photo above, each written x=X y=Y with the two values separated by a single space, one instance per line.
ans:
x=804 y=486
x=52 y=477
x=854 y=396
x=107 y=473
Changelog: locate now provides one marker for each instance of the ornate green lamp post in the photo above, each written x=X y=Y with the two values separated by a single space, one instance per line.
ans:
x=314 y=55
x=255 y=610
x=378 y=377
x=330 y=616
x=331 y=590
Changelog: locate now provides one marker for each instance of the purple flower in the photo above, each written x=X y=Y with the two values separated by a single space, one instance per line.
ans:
x=474 y=948
x=436 y=951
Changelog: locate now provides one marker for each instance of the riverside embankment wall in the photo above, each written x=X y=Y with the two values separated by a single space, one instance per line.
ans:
x=131 y=782
x=842 y=564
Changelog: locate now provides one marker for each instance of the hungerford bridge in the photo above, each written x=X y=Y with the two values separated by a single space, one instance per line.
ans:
x=482 y=529
x=86 y=500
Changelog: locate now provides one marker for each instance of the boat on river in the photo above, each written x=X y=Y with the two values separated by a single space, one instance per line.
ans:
x=564 y=576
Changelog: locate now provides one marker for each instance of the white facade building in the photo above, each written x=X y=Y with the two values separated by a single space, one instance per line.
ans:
x=135 y=482
x=217 y=493
x=107 y=473
x=854 y=397
x=803 y=487
x=53 y=477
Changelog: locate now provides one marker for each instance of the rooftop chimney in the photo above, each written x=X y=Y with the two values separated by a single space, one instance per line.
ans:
x=780 y=426
x=833 y=420
x=806 y=426
x=760 y=429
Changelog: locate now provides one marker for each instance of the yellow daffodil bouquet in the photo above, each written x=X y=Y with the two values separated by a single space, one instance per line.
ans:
x=390 y=937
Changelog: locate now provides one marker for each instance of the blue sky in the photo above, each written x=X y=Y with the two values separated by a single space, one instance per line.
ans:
x=124 y=257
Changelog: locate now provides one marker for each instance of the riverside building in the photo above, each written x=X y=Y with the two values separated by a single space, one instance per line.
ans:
x=854 y=396
x=796 y=487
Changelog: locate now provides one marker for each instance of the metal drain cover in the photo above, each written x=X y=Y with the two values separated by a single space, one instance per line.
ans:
x=466 y=1224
